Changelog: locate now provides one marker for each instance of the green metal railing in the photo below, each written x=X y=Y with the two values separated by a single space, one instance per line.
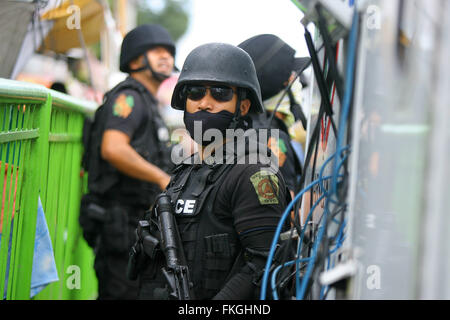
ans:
x=40 y=154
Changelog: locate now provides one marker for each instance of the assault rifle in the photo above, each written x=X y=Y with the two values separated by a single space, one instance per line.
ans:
x=176 y=270
x=160 y=233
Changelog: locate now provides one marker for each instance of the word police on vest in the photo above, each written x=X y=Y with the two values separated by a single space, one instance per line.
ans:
x=185 y=207
x=225 y=309
x=238 y=146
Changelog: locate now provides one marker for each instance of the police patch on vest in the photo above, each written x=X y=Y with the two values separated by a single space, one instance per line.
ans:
x=123 y=106
x=264 y=184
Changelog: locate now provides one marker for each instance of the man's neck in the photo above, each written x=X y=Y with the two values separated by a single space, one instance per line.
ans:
x=149 y=83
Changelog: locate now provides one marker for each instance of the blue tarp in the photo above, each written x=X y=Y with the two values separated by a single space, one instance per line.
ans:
x=44 y=267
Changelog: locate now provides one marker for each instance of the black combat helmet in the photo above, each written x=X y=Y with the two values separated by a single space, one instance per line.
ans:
x=274 y=61
x=142 y=38
x=223 y=64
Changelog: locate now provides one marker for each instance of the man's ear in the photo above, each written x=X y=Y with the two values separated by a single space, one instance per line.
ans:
x=245 y=106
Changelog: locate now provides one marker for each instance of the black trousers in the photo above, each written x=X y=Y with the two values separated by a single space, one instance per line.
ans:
x=112 y=252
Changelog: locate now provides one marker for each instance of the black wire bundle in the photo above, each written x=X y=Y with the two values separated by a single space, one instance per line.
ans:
x=325 y=84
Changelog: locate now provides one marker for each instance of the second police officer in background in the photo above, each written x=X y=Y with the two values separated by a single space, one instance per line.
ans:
x=276 y=68
x=127 y=157
x=226 y=213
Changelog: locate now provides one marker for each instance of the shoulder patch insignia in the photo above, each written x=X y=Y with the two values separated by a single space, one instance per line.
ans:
x=123 y=105
x=264 y=184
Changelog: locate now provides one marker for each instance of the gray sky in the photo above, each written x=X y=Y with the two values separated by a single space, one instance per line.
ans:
x=233 y=21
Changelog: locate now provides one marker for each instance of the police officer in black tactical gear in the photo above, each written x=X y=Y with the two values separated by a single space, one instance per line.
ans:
x=127 y=157
x=275 y=65
x=226 y=204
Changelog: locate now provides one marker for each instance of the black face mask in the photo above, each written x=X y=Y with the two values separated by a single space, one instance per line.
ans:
x=220 y=121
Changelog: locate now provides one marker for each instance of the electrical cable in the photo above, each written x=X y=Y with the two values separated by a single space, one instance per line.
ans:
x=315 y=133
x=320 y=180
x=315 y=144
x=350 y=73
x=303 y=233
x=277 y=234
x=321 y=249
x=339 y=243
x=314 y=140
x=325 y=194
x=283 y=218
x=326 y=251
x=339 y=149
x=324 y=92
x=277 y=269
x=328 y=51
x=339 y=161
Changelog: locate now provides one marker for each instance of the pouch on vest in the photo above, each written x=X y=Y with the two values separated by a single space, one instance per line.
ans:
x=91 y=218
x=145 y=248
x=219 y=259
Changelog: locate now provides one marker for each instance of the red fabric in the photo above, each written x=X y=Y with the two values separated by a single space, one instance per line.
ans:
x=4 y=194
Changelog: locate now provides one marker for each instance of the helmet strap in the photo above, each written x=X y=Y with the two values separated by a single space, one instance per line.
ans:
x=159 y=77
x=237 y=113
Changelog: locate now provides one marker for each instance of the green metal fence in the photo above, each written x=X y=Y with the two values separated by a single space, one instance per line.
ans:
x=40 y=154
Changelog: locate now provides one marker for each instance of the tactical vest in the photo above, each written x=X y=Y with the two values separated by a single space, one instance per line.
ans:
x=150 y=141
x=211 y=244
x=208 y=240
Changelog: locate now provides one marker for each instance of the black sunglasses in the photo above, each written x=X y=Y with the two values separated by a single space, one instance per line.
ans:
x=220 y=93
